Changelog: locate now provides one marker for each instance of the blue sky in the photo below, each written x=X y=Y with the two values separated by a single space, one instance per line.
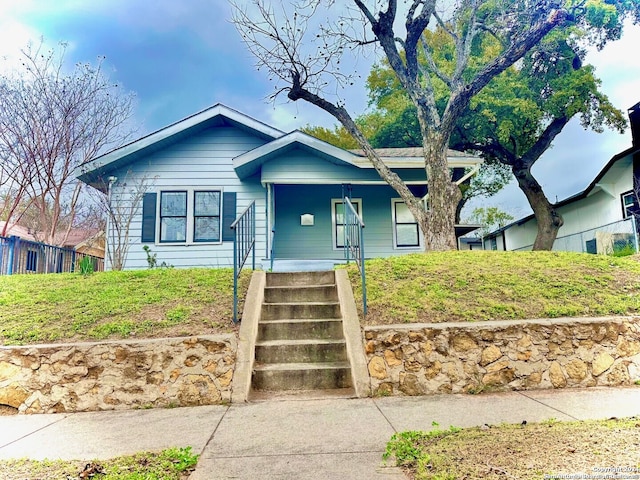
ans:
x=180 y=57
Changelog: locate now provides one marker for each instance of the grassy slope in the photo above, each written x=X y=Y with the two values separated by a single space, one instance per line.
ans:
x=144 y=303
x=433 y=287
x=474 y=286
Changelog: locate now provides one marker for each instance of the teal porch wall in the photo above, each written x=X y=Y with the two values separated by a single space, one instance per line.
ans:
x=315 y=242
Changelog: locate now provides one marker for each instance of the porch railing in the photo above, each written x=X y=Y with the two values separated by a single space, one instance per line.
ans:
x=20 y=256
x=273 y=246
x=244 y=242
x=354 y=244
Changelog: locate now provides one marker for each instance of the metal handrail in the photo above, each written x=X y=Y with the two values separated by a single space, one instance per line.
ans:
x=273 y=248
x=244 y=241
x=354 y=244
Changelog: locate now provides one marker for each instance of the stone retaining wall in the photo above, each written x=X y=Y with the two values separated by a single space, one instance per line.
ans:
x=420 y=359
x=118 y=375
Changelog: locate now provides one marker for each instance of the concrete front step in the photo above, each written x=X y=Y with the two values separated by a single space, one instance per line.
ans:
x=300 y=279
x=301 y=376
x=311 y=293
x=306 y=310
x=301 y=351
x=305 y=328
x=317 y=394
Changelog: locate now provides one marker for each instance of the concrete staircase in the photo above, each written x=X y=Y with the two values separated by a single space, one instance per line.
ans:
x=300 y=344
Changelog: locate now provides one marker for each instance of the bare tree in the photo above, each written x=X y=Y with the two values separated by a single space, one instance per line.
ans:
x=51 y=122
x=303 y=55
x=121 y=205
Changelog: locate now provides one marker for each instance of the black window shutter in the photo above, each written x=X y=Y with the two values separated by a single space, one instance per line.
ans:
x=149 y=218
x=228 y=215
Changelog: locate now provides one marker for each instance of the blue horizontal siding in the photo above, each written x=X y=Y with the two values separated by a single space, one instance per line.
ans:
x=203 y=161
x=300 y=166
x=293 y=240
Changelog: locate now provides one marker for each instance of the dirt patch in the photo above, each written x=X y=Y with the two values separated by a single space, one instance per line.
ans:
x=531 y=451
x=7 y=410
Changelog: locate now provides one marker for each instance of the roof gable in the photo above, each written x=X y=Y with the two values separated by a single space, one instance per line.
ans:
x=94 y=171
x=249 y=163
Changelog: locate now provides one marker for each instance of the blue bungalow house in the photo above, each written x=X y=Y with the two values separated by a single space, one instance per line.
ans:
x=203 y=171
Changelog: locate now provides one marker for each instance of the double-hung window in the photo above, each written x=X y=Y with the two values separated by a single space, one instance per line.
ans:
x=190 y=216
x=173 y=216
x=206 y=216
x=338 y=219
x=406 y=233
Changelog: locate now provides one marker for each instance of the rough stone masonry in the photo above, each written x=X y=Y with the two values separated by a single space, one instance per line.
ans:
x=118 y=375
x=502 y=355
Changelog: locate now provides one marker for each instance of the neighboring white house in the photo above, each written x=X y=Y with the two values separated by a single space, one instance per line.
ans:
x=597 y=219
x=208 y=168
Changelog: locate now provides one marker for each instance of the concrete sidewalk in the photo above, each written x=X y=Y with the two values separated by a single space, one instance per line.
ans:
x=294 y=439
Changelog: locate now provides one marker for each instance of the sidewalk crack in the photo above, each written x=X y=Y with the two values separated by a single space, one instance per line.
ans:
x=548 y=406
x=34 y=431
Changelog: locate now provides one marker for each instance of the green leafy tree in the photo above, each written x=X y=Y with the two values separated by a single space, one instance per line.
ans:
x=303 y=53
x=516 y=117
x=490 y=218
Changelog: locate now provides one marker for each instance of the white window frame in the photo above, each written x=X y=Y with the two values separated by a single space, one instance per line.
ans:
x=623 y=196
x=394 y=202
x=334 y=226
x=189 y=240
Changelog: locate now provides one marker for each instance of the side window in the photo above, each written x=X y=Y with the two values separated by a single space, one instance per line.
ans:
x=337 y=219
x=629 y=203
x=173 y=216
x=406 y=233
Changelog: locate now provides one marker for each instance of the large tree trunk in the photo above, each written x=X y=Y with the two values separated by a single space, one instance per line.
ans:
x=549 y=219
x=444 y=195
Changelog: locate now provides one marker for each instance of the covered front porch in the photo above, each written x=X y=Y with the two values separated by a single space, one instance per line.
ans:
x=306 y=222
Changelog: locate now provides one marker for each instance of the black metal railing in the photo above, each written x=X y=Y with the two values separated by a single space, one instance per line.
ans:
x=20 y=256
x=244 y=242
x=354 y=244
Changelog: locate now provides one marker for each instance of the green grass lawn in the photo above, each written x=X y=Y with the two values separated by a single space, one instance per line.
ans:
x=130 y=304
x=431 y=287
x=477 y=286
x=170 y=464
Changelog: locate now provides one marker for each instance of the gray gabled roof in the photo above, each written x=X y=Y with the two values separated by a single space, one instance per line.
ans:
x=97 y=169
x=413 y=157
